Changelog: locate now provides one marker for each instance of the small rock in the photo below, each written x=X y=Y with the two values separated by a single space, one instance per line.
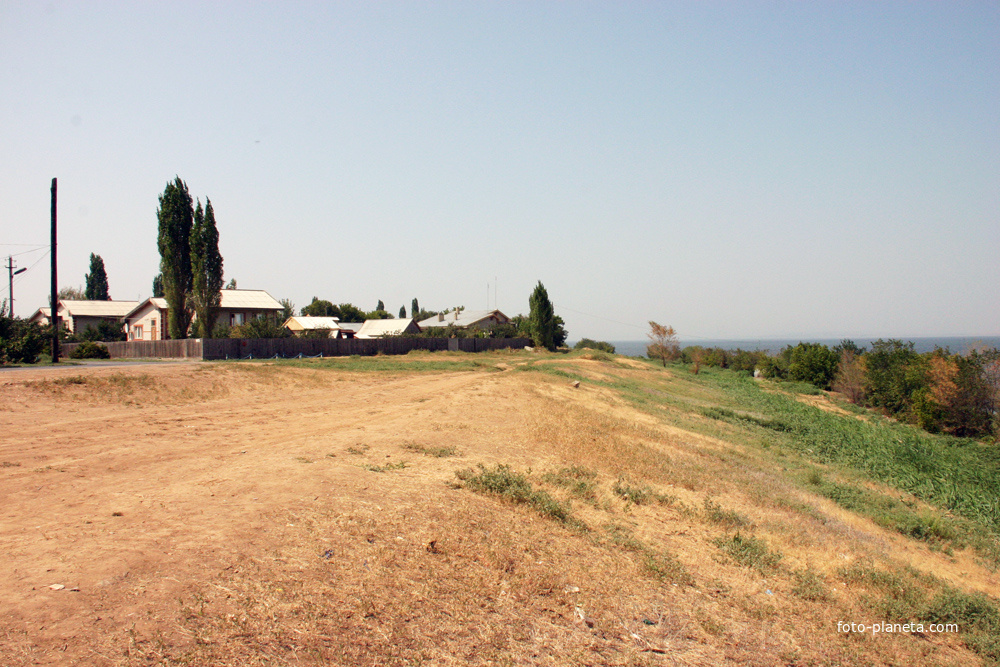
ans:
x=576 y=384
x=572 y=589
x=57 y=587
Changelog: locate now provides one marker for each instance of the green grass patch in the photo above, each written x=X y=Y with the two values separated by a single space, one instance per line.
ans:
x=503 y=481
x=385 y=467
x=749 y=551
x=578 y=480
x=436 y=452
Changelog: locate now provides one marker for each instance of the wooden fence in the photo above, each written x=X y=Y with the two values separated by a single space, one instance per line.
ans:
x=267 y=348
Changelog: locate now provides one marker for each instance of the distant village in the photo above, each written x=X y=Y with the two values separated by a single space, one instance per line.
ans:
x=147 y=320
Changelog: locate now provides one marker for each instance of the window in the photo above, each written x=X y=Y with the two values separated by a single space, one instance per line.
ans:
x=137 y=332
x=235 y=319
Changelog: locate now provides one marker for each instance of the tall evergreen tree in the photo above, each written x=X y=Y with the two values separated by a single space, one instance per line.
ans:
x=414 y=308
x=97 y=280
x=380 y=306
x=175 y=217
x=206 y=269
x=541 y=318
x=158 y=285
x=402 y=312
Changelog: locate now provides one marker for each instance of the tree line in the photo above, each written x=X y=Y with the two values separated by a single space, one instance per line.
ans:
x=940 y=391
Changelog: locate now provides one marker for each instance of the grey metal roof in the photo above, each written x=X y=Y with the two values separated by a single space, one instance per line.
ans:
x=379 y=328
x=461 y=319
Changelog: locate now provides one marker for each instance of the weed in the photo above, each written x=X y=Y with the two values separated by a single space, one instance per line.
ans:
x=358 y=449
x=385 y=468
x=9 y=464
x=303 y=459
x=809 y=586
x=976 y=616
x=505 y=482
x=719 y=515
x=749 y=551
x=580 y=481
x=437 y=452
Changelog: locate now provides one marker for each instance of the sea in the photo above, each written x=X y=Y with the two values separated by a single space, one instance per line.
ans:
x=959 y=344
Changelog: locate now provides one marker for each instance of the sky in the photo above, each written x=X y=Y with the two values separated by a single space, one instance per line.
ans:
x=736 y=170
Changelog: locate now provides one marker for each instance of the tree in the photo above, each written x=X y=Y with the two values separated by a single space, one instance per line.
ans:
x=287 y=309
x=814 y=363
x=320 y=308
x=664 y=344
x=97 y=280
x=206 y=270
x=541 y=318
x=71 y=294
x=414 y=308
x=158 y=285
x=351 y=313
x=402 y=312
x=380 y=306
x=588 y=344
x=176 y=218
x=231 y=284
x=850 y=379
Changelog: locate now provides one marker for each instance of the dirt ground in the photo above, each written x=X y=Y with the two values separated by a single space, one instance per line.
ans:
x=233 y=514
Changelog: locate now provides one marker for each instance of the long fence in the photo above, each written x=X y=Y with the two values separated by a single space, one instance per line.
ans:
x=285 y=348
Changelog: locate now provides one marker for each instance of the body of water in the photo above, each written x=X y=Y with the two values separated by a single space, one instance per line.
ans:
x=636 y=348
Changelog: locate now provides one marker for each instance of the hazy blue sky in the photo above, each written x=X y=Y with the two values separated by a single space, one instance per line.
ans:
x=733 y=169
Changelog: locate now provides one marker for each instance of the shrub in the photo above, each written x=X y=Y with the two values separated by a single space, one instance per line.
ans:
x=600 y=345
x=20 y=341
x=90 y=350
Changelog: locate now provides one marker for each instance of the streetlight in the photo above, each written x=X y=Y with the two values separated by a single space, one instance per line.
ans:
x=12 y=272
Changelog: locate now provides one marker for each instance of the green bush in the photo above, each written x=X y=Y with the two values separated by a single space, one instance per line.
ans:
x=600 y=345
x=20 y=341
x=90 y=350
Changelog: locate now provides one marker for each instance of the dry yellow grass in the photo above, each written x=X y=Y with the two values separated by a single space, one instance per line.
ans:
x=223 y=514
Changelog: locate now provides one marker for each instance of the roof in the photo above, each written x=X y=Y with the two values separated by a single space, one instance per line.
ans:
x=309 y=323
x=97 y=308
x=352 y=326
x=379 y=328
x=465 y=318
x=157 y=301
x=249 y=298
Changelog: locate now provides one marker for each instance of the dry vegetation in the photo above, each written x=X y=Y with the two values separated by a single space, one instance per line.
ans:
x=443 y=509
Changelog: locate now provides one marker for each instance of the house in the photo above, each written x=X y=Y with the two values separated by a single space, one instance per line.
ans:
x=301 y=324
x=353 y=327
x=76 y=315
x=466 y=319
x=393 y=327
x=149 y=319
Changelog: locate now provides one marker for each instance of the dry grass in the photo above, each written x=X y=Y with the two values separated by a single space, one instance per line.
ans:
x=538 y=524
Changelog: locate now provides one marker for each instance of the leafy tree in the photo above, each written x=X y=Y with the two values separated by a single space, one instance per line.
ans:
x=71 y=294
x=104 y=331
x=320 y=308
x=97 y=280
x=206 y=270
x=379 y=315
x=351 y=313
x=176 y=218
x=541 y=318
x=380 y=306
x=814 y=363
x=158 y=285
x=264 y=326
x=664 y=345
x=287 y=309
x=21 y=341
x=894 y=372
x=231 y=284
x=588 y=344
x=559 y=333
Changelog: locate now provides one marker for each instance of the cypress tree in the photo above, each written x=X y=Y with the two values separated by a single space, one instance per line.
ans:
x=175 y=219
x=206 y=269
x=541 y=318
x=402 y=312
x=97 y=280
x=158 y=285
x=414 y=308
x=380 y=306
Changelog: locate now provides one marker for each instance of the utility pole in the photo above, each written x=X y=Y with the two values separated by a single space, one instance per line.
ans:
x=54 y=303
x=11 y=273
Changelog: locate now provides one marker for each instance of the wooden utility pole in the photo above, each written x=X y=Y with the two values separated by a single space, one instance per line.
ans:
x=10 y=275
x=54 y=303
